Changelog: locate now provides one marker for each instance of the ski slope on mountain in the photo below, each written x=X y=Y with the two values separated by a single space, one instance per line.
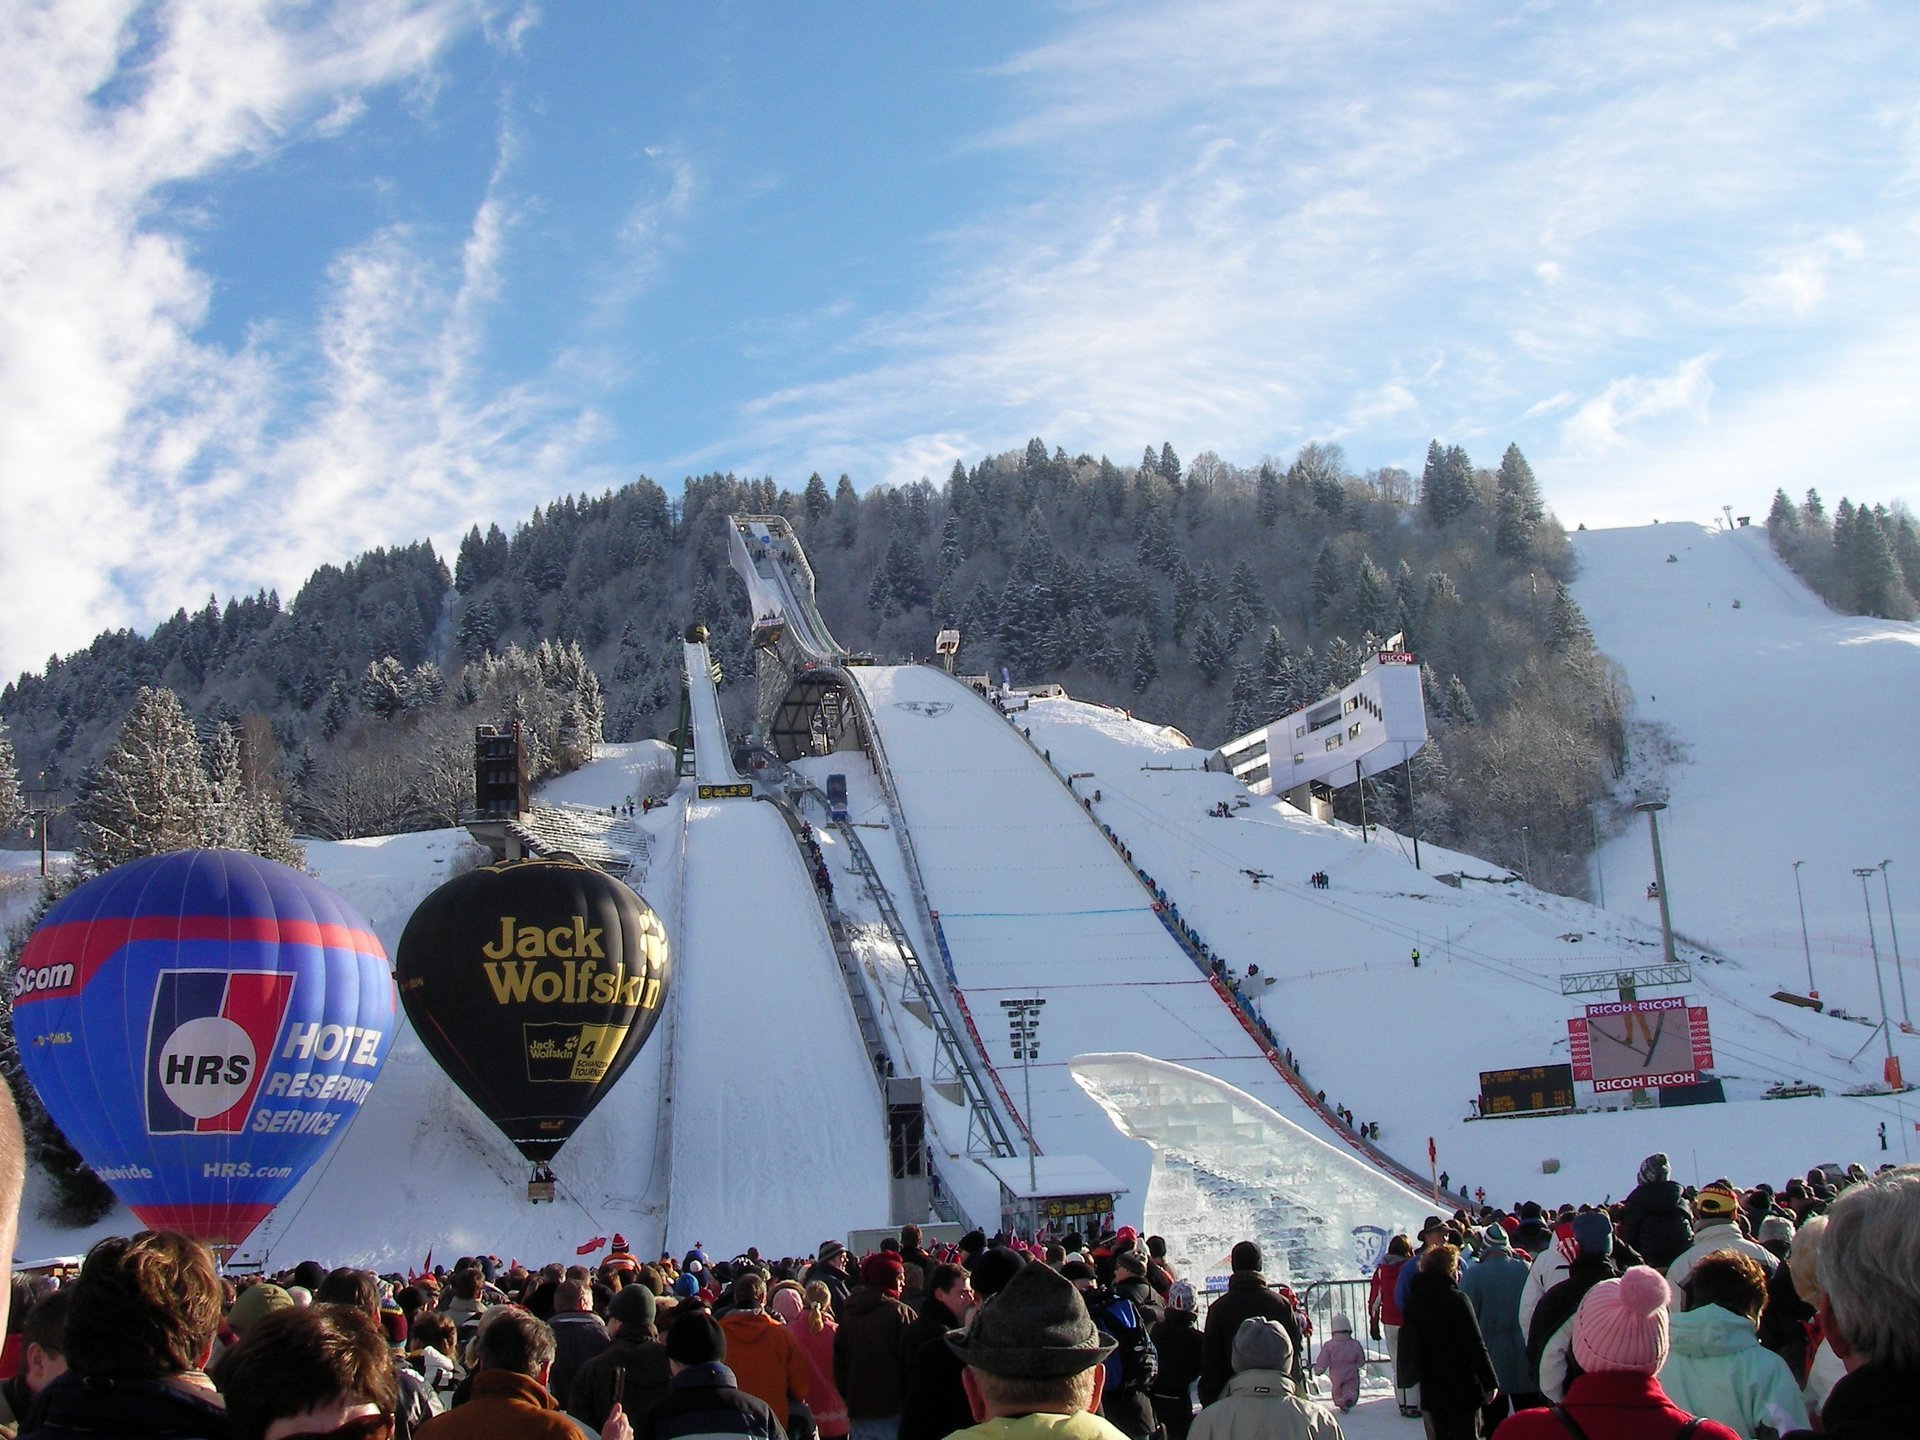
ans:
x=753 y=1116
x=1783 y=713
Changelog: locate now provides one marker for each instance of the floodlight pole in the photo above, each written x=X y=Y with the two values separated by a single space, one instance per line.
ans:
x=1906 y=1018
x=1413 y=811
x=1886 y=1028
x=1806 y=945
x=1651 y=809
x=1023 y=1030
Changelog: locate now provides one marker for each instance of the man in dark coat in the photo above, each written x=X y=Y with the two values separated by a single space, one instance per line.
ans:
x=1247 y=1295
x=1656 y=1221
x=869 y=1359
x=634 y=1362
x=935 y=1404
x=1176 y=1340
x=701 y=1398
x=578 y=1335
x=1870 y=1272
x=830 y=1269
x=1533 y=1234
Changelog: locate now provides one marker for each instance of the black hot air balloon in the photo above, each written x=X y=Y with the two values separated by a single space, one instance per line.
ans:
x=533 y=983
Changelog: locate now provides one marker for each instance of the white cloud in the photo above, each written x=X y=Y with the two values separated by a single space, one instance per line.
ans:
x=1606 y=421
x=1797 y=280
x=136 y=454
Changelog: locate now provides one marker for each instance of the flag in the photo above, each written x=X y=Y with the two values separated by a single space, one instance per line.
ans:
x=592 y=1245
x=1432 y=1153
x=426 y=1266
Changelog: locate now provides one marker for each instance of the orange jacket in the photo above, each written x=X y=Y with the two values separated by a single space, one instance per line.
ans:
x=765 y=1359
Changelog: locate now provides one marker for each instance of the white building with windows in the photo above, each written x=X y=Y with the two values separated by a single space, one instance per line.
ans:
x=1378 y=721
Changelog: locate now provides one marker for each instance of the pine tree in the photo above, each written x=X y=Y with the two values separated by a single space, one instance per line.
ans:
x=1246 y=703
x=1210 y=649
x=383 y=688
x=149 y=794
x=1874 y=570
x=1246 y=603
x=1372 y=604
x=1329 y=577
x=1267 y=498
x=1460 y=707
x=1782 y=518
x=816 y=502
x=1517 y=505
x=1144 y=666
x=1446 y=484
x=1567 y=630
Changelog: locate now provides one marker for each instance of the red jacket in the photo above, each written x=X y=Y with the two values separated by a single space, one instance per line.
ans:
x=1611 y=1405
x=1380 y=1301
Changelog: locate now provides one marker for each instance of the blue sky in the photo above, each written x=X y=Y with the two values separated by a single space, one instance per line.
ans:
x=283 y=281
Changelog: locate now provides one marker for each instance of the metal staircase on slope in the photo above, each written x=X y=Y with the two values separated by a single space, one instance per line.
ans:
x=954 y=1076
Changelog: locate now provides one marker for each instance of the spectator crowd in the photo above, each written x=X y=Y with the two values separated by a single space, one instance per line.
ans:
x=1675 y=1314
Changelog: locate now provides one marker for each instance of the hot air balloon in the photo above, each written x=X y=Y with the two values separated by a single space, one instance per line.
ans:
x=203 y=1025
x=533 y=983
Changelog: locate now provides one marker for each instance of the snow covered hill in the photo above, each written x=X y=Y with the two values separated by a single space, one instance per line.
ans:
x=1793 y=728
x=753 y=1118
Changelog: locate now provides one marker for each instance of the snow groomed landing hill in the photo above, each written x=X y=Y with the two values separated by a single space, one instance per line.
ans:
x=1793 y=737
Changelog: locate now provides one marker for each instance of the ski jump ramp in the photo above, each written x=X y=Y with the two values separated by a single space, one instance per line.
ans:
x=1034 y=901
x=748 y=1101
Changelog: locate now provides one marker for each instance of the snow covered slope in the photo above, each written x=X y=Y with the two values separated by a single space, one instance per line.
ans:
x=1795 y=731
x=773 y=1135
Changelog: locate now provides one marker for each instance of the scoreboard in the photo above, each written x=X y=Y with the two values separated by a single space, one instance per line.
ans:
x=1526 y=1091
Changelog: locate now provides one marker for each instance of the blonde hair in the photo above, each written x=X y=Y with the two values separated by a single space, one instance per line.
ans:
x=1444 y=1258
x=818 y=1299
x=1803 y=1262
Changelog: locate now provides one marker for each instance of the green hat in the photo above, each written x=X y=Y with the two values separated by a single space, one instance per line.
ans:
x=255 y=1303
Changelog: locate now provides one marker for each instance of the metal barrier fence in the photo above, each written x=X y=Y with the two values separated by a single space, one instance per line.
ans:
x=1325 y=1299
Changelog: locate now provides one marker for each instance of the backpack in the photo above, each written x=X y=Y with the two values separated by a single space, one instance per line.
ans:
x=1134 y=1362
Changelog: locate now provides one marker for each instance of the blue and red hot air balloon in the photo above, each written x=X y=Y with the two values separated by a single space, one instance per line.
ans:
x=203 y=1025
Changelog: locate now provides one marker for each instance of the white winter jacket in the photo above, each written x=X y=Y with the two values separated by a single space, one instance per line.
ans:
x=1261 y=1405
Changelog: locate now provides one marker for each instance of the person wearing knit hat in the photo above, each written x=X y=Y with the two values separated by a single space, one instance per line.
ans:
x=1716 y=1226
x=254 y=1304
x=1033 y=1363
x=869 y=1351
x=1620 y=1343
x=831 y=1270
x=1340 y=1359
x=701 y=1397
x=635 y=1361
x=1550 y=1329
x=1654 y=1219
x=1176 y=1340
x=1247 y=1294
x=1260 y=1399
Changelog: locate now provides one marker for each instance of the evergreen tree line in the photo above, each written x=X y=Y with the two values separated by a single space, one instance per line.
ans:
x=1208 y=595
x=1864 y=561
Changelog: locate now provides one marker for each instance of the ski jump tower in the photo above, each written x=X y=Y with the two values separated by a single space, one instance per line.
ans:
x=801 y=705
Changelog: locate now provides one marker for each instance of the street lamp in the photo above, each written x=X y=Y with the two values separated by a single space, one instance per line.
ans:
x=1651 y=809
x=1805 y=944
x=1893 y=1065
x=1906 y=1019
x=1023 y=1031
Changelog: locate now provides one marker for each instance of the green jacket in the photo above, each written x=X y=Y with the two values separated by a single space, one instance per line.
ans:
x=1717 y=1368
